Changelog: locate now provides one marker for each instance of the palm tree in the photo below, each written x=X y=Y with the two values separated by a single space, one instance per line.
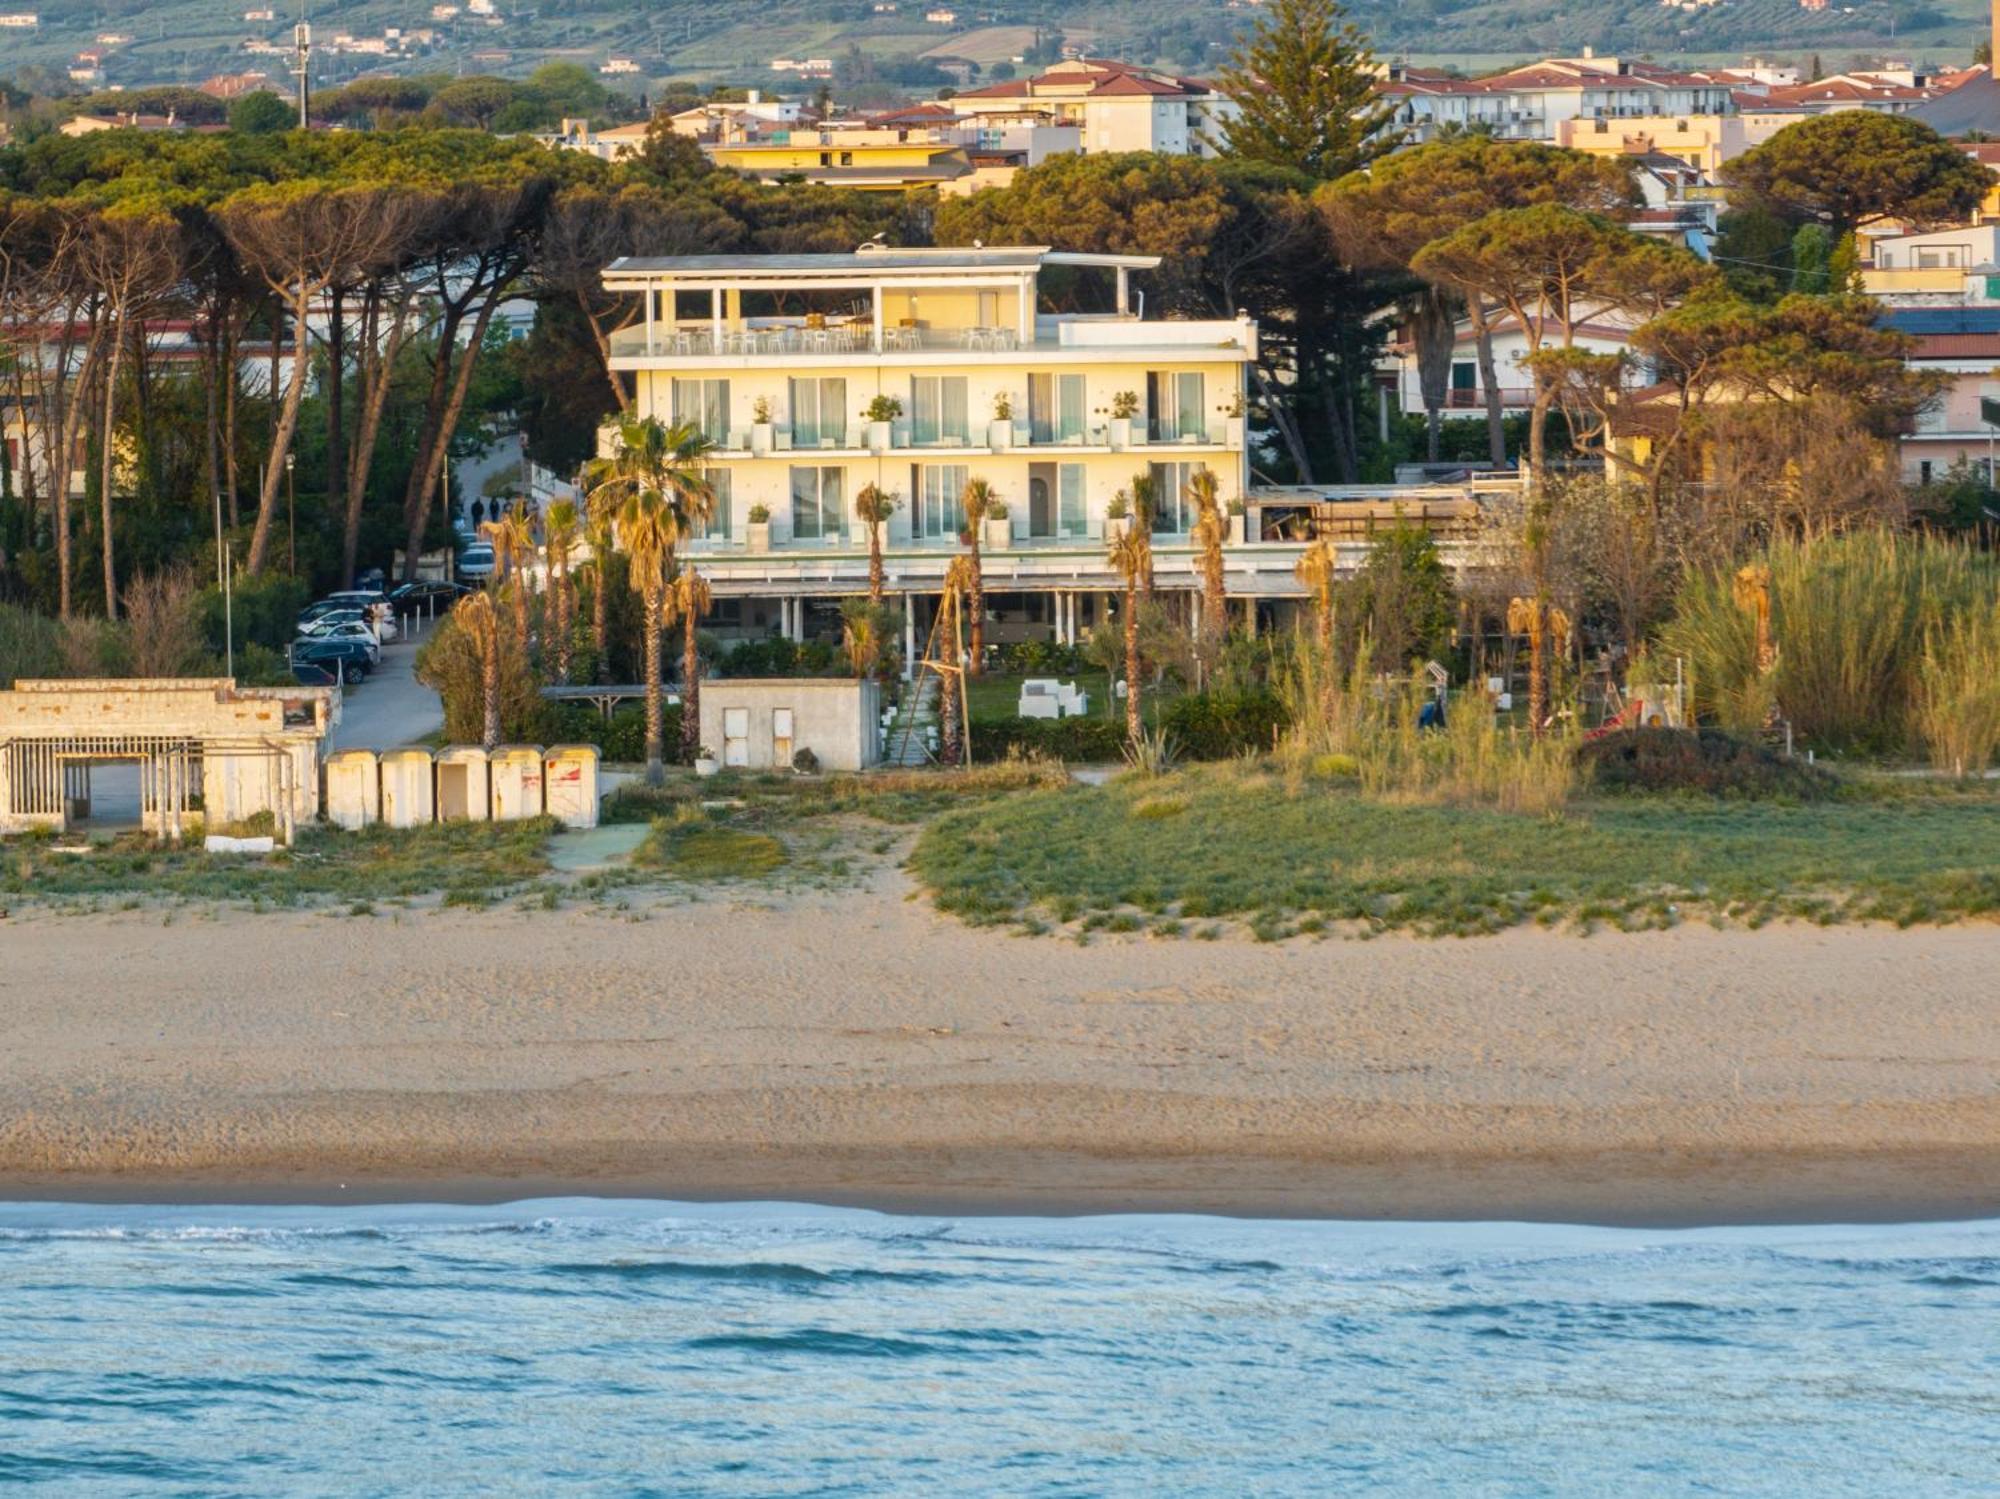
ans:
x=961 y=580
x=482 y=627
x=1145 y=500
x=874 y=505
x=560 y=528
x=513 y=538
x=654 y=474
x=978 y=501
x=601 y=535
x=1317 y=570
x=1131 y=557
x=688 y=599
x=1209 y=531
x=1547 y=629
x=1752 y=591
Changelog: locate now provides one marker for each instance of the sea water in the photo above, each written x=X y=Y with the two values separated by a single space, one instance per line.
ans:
x=660 y=1348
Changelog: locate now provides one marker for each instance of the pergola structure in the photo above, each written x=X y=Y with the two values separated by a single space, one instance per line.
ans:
x=202 y=747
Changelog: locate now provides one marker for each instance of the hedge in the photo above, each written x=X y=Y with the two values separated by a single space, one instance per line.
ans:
x=1219 y=726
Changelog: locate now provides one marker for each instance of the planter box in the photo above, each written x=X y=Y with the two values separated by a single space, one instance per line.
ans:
x=1236 y=524
x=706 y=766
x=1000 y=435
x=760 y=437
x=1235 y=431
x=878 y=437
x=1116 y=526
x=757 y=536
x=997 y=535
x=1121 y=432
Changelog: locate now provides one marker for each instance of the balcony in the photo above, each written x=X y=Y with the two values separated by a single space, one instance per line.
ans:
x=851 y=444
x=832 y=341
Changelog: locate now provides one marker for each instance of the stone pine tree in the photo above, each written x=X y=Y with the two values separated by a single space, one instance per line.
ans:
x=1303 y=83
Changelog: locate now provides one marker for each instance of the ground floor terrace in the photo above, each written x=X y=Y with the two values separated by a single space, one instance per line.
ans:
x=1051 y=592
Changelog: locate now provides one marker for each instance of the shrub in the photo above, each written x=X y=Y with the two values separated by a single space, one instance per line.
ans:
x=263 y=607
x=1958 y=693
x=1706 y=761
x=1218 y=726
x=1089 y=740
x=621 y=739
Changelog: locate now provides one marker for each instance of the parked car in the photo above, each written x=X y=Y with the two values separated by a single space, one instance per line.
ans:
x=349 y=657
x=374 y=603
x=317 y=674
x=429 y=594
x=355 y=630
x=321 y=623
x=475 y=563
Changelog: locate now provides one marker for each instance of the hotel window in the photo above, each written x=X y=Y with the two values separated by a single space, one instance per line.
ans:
x=939 y=512
x=817 y=507
x=1174 y=406
x=1071 y=518
x=1173 y=512
x=703 y=404
x=819 y=413
x=938 y=411
x=1055 y=408
x=717 y=527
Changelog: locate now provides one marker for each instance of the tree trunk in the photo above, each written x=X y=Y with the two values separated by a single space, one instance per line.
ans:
x=281 y=436
x=1285 y=420
x=1489 y=382
x=977 y=603
x=950 y=684
x=1215 y=589
x=559 y=600
x=417 y=507
x=656 y=773
x=1538 y=668
x=1434 y=330
x=489 y=677
x=376 y=372
x=107 y=458
x=211 y=447
x=875 y=579
x=230 y=384
x=1133 y=731
x=597 y=616
x=336 y=399
x=690 y=688
x=62 y=463
x=1538 y=420
x=603 y=342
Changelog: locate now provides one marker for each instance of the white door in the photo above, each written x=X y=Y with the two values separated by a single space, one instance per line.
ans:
x=781 y=737
x=736 y=736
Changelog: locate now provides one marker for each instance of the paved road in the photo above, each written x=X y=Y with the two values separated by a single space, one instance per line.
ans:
x=391 y=708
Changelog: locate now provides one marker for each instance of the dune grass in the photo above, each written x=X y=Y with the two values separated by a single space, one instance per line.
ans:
x=1286 y=853
x=469 y=863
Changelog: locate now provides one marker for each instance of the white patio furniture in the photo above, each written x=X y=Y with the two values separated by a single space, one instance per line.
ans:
x=1039 y=699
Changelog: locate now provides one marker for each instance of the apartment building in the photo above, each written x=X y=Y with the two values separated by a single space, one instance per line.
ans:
x=1113 y=106
x=781 y=360
x=1535 y=102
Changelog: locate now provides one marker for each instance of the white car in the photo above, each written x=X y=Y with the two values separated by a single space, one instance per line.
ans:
x=374 y=605
x=475 y=563
x=346 y=629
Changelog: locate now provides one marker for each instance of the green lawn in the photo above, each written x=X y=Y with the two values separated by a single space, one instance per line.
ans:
x=1218 y=841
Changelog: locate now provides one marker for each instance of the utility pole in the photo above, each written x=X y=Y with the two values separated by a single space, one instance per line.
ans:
x=291 y=517
x=302 y=38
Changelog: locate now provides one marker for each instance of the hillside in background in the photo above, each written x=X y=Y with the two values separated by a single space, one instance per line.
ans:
x=188 y=40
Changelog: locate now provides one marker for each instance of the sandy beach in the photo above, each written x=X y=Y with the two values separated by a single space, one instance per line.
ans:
x=860 y=1048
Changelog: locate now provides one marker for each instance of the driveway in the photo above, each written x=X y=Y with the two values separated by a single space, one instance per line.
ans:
x=392 y=707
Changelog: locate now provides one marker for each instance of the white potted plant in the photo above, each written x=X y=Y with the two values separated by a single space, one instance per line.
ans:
x=996 y=531
x=705 y=764
x=1117 y=516
x=1124 y=406
x=1233 y=426
x=757 y=535
x=1236 y=521
x=880 y=414
x=760 y=425
x=1000 y=431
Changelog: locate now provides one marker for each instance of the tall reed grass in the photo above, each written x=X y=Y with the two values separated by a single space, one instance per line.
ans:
x=1356 y=719
x=1854 y=618
x=1958 y=692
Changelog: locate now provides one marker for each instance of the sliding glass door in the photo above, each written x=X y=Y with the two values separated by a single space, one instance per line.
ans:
x=818 y=503
x=938 y=415
x=1055 y=408
x=937 y=512
x=704 y=405
x=1174 y=406
x=819 y=413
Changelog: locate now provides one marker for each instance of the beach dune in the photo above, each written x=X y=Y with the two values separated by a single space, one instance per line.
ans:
x=860 y=1048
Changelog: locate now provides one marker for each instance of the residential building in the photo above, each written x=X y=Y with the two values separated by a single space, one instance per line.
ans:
x=20 y=21
x=1964 y=344
x=1535 y=101
x=778 y=360
x=1466 y=395
x=1113 y=106
x=1946 y=267
x=847 y=156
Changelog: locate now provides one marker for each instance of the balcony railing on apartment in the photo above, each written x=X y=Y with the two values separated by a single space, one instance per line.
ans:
x=786 y=338
x=903 y=438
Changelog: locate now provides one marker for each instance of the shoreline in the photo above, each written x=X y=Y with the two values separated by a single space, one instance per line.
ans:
x=1641 y=1192
x=859 y=1049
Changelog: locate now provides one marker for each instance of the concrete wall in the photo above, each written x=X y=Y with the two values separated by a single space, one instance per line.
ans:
x=838 y=719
